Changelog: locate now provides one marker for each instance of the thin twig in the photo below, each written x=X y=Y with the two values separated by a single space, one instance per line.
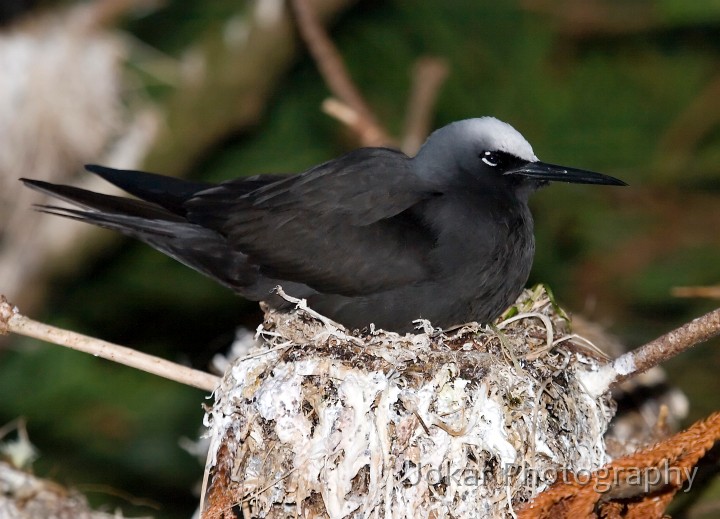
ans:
x=712 y=292
x=346 y=114
x=654 y=353
x=429 y=74
x=336 y=76
x=672 y=343
x=12 y=321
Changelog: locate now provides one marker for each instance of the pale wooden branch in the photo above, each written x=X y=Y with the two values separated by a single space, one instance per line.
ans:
x=672 y=343
x=654 y=352
x=366 y=132
x=429 y=74
x=710 y=292
x=11 y=320
x=336 y=76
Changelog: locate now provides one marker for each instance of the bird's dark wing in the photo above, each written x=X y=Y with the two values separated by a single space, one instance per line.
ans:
x=169 y=192
x=349 y=226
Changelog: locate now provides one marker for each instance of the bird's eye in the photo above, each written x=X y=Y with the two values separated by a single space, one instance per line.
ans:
x=490 y=158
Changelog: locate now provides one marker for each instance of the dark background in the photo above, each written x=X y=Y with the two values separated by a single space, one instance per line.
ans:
x=631 y=89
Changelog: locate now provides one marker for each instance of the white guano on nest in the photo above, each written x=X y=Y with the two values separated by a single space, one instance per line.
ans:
x=318 y=422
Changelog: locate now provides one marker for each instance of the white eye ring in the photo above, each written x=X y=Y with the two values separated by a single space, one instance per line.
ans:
x=487 y=161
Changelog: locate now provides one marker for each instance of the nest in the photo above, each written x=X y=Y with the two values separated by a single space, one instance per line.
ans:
x=316 y=421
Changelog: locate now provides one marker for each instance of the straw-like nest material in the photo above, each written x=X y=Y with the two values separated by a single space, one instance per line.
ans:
x=25 y=496
x=319 y=422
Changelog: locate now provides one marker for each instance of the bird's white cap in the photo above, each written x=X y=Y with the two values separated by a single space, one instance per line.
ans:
x=496 y=135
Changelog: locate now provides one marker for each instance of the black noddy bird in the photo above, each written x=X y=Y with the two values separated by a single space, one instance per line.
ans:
x=373 y=236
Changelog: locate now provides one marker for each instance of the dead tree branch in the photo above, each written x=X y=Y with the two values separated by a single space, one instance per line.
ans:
x=710 y=292
x=346 y=114
x=336 y=76
x=672 y=343
x=655 y=352
x=429 y=74
x=11 y=320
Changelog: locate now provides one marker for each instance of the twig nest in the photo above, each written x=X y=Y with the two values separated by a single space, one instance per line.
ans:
x=319 y=422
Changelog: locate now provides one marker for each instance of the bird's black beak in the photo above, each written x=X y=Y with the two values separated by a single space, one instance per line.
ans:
x=552 y=172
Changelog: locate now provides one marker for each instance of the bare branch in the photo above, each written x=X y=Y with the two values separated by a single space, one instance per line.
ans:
x=711 y=292
x=672 y=343
x=367 y=132
x=336 y=76
x=429 y=74
x=12 y=321
x=654 y=352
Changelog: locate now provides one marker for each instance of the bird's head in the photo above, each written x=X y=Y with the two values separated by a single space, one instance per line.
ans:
x=493 y=152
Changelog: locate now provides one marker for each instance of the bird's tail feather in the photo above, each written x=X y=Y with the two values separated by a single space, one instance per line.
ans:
x=200 y=248
x=168 y=192
x=131 y=225
x=100 y=202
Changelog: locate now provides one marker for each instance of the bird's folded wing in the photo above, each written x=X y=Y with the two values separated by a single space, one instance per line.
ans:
x=350 y=226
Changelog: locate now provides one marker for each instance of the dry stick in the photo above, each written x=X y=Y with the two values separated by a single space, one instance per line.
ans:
x=429 y=74
x=333 y=70
x=654 y=353
x=351 y=118
x=672 y=343
x=712 y=292
x=343 y=113
x=12 y=321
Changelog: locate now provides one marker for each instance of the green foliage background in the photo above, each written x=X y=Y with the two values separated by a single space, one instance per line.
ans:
x=616 y=96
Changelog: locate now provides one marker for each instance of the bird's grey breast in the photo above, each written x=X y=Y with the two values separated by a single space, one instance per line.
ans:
x=485 y=247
